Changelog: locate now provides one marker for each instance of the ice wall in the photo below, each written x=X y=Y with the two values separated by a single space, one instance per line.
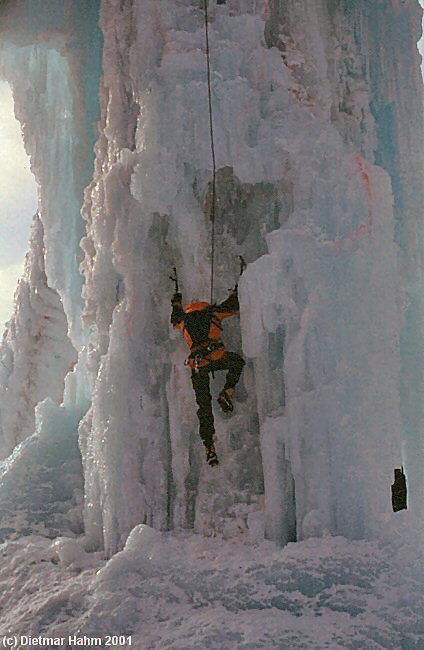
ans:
x=399 y=150
x=320 y=416
x=50 y=54
x=35 y=353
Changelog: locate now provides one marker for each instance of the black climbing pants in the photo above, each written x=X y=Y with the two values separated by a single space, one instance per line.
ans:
x=200 y=380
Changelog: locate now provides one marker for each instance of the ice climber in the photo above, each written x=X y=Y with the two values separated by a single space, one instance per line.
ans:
x=200 y=323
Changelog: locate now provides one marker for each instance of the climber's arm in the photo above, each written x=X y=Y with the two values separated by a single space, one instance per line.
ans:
x=229 y=307
x=177 y=316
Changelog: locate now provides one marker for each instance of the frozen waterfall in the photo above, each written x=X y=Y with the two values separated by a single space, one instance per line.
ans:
x=319 y=156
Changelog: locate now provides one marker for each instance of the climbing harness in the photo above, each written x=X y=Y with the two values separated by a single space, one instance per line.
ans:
x=213 y=203
x=201 y=353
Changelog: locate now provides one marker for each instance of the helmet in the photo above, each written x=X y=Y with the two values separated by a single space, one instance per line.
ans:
x=196 y=306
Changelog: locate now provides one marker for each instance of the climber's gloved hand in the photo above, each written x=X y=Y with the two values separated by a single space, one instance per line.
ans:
x=176 y=299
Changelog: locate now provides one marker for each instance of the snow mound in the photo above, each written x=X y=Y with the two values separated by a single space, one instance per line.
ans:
x=71 y=553
x=143 y=540
x=41 y=482
x=194 y=592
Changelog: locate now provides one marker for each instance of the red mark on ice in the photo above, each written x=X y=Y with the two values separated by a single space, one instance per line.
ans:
x=363 y=228
x=367 y=185
x=266 y=9
x=261 y=74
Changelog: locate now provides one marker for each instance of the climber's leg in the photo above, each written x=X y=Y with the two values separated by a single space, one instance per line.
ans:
x=234 y=363
x=235 y=367
x=200 y=382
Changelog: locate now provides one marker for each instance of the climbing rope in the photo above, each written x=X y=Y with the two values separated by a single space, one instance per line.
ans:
x=213 y=203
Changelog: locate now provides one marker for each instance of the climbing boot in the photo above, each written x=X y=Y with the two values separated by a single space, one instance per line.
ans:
x=211 y=457
x=225 y=400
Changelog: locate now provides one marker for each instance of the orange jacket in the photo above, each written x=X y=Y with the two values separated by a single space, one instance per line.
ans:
x=202 y=328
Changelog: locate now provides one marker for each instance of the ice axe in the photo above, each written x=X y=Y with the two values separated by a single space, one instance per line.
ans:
x=174 y=278
x=242 y=265
x=242 y=268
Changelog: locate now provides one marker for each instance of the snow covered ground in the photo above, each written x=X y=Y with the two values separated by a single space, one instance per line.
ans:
x=185 y=591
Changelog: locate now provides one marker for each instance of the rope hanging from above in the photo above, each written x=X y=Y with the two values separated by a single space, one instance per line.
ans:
x=213 y=202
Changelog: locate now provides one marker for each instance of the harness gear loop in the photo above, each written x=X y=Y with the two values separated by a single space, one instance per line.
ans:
x=213 y=204
x=201 y=352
